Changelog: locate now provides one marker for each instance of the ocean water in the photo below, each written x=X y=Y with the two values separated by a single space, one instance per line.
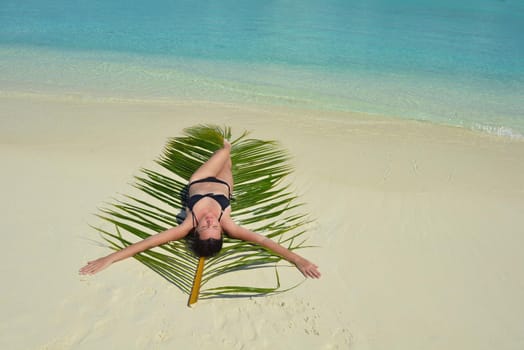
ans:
x=450 y=62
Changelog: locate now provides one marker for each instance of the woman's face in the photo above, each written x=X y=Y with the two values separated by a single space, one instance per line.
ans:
x=209 y=227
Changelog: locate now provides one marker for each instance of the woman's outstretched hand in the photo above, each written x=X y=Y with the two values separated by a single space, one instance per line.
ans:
x=307 y=268
x=95 y=266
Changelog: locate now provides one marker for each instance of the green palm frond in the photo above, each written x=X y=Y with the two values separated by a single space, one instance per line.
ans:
x=261 y=201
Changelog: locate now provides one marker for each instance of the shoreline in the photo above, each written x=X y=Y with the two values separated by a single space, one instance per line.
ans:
x=351 y=117
x=478 y=104
x=417 y=228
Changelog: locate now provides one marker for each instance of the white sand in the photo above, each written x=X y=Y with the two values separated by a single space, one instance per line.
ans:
x=420 y=229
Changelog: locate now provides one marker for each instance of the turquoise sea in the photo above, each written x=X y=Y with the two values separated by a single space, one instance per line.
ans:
x=449 y=62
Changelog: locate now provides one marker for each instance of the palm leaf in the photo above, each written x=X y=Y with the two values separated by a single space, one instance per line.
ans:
x=262 y=202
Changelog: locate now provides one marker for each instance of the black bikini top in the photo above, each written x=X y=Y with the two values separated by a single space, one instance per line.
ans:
x=221 y=199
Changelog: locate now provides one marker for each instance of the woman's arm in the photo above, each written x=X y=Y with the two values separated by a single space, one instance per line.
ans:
x=172 y=234
x=305 y=266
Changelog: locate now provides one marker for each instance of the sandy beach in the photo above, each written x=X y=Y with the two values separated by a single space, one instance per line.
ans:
x=419 y=232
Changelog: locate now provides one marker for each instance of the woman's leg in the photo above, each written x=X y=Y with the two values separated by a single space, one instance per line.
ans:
x=214 y=165
x=226 y=174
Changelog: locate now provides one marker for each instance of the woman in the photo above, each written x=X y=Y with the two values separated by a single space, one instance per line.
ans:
x=208 y=214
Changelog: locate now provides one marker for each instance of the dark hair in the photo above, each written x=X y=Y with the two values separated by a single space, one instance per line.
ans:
x=206 y=247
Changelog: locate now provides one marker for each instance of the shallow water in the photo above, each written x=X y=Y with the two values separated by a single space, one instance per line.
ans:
x=459 y=64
